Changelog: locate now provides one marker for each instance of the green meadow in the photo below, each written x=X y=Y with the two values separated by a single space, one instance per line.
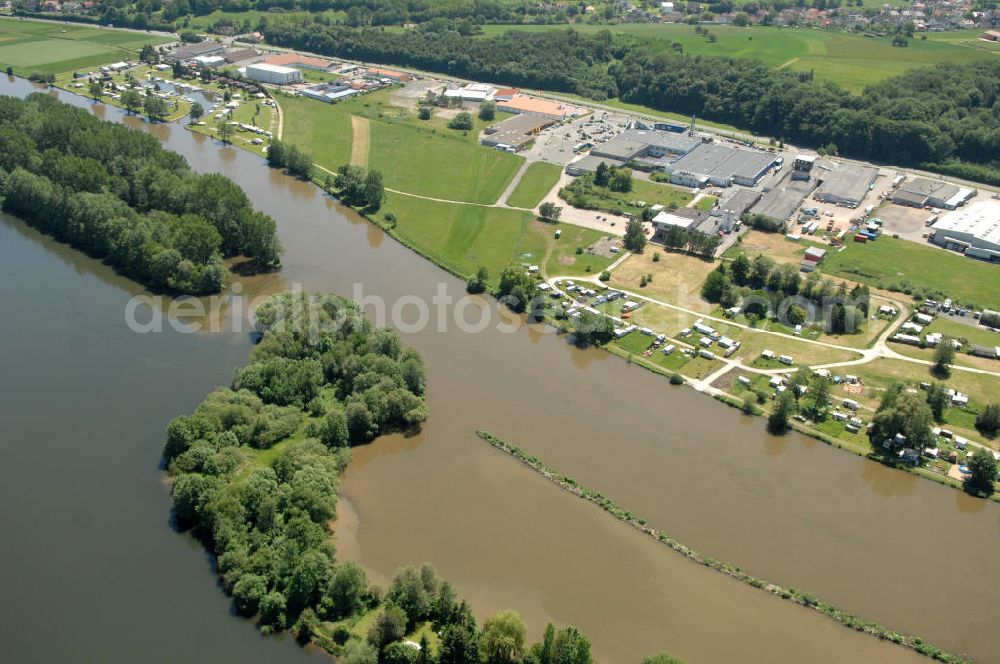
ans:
x=852 y=61
x=893 y=262
x=537 y=180
x=52 y=48
x=463 y=238
x=414 y=156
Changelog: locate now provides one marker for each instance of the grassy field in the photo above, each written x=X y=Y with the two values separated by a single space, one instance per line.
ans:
x=892 y=262
x=52 y=48
x=644 y=192
x=414 y=156
x=464 y=238
x=677 y=278
x=537 y=180
x=251 y=18
x=852 y=61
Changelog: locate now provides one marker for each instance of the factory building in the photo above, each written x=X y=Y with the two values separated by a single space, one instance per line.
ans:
x=844 y=184
x=274 y=74
x=720 y=165
x=924 y=192
x=973 y=231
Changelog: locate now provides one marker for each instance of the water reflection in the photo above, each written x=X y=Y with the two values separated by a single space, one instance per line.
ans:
x=888 y=482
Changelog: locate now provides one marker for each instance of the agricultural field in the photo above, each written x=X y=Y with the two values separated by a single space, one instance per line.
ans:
x=851 y=61
x=402 y=147
x=52 y=48
x=537 y=180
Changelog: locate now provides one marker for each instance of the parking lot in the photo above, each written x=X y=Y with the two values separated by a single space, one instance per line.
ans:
x=906 y=222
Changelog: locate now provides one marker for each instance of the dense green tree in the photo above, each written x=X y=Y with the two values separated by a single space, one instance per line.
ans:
x=196 y=112
x=348 y=590
x=462 y=121
x=944 y=357
x=374 y=190
x=502 y=638
x=781 y=412
x=389 y=626
x=132 y=100
x=663 y=658
x=488 y=110
x=937 y=399
x=602 y=175
x=621 y=180
x=982 y=472
x=479 y=282
x=988 y=421
x=635 y=236
x=549 y=211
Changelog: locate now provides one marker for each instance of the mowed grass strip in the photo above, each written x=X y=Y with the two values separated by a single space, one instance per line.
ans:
x=891 y=263
x=536 y=181
x=423 y=158
x=462 y=238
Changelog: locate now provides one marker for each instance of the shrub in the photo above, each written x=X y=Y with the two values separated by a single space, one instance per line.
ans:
x=676 y=379
x=605 y=276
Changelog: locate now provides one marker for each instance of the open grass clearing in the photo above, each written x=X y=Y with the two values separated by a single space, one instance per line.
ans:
x=644 y=193
x=893 y=263
x=414 y=156
x=677 y=277
x=464 y=238
x=536 y=181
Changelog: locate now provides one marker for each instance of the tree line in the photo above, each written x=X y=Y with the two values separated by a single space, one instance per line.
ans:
x=321 y=379
x=117 y=194
x=944 y=117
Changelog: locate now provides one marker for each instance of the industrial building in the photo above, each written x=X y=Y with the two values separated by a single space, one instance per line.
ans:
x=208 y=61
x=476 y=92
x=296 y=60
x=843 y=184
x=534 y=106
x=392 y=75
x=274 y=74
x=974 y=231
x=515 y=132
x=720 y=165
x=781 y=200
x=186 y=52
x=330 y=93
x=738 y=202
x=691 y=219
x=650 y=150
x=589 y=163
x=922 y=192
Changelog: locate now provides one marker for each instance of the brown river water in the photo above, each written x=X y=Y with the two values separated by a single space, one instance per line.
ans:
x=93 y=571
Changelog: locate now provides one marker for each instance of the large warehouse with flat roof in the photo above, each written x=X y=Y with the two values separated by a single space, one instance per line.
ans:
x=720 y=165
x=973 y=231
x=275 y=74
x=843 y=184
x=920 y=192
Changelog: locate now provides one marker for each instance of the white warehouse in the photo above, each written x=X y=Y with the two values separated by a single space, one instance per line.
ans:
x=973 y=230
x=275 y=74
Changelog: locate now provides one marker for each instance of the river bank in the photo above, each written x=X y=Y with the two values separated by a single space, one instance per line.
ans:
x=752 y=499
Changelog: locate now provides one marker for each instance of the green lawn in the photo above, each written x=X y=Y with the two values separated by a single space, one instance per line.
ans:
x=414 y=156
x=890 y=262
x=975 y=335
x=464 y=238
x=644 y=193
x=537 y=180
x=52 y=48
x=852 y=61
